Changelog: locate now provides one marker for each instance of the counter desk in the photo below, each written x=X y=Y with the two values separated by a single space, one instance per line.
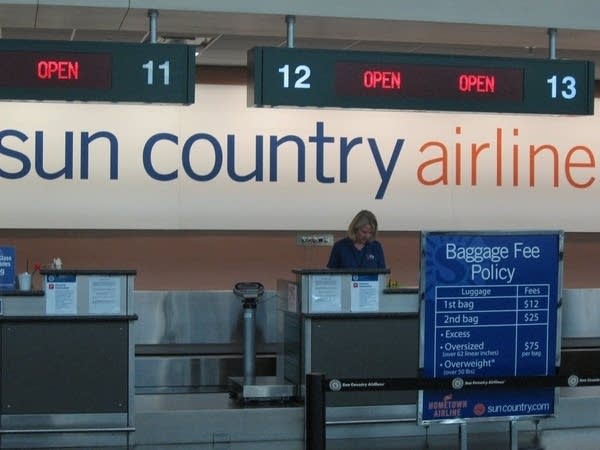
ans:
x=67 y=361
x=347 y=324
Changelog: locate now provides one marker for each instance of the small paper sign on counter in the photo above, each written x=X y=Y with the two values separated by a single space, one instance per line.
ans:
x=326 y=293
x=61 y=294
x=105 y=295
x=364 y=293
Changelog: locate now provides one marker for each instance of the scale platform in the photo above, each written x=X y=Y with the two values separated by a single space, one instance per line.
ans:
x=262 y=389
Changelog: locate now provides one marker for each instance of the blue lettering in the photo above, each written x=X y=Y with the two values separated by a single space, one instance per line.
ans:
x=321 y=140
x=274 y=145
x=258 y=161
x=147 y=156
x=86 y=139
x=187 y=150
x=345 y=148
x=14 y=154
x=202 y=157
x=386 y=173
x=67 y=170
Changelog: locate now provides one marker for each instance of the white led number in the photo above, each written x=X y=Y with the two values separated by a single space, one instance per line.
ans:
x=164 y=67
x=301 y=81
x=566 y=86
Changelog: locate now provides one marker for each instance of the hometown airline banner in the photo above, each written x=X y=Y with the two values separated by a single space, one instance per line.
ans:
x=219 y=165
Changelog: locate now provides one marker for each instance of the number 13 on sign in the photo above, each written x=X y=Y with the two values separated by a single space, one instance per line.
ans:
x=568 y=90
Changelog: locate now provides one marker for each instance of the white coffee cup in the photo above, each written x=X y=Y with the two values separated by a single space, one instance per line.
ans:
x=24 y=281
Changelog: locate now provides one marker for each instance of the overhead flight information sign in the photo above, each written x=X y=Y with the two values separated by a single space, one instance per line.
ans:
x=348 y=79
x=489 y=308
x=96 y=71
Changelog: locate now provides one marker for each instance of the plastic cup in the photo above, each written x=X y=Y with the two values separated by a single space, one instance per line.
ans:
x=24 y=281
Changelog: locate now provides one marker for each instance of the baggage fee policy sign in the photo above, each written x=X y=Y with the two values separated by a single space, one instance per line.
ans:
x=489 y=309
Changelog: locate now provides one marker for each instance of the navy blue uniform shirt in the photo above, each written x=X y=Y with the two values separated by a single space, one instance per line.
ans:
x=344 y=255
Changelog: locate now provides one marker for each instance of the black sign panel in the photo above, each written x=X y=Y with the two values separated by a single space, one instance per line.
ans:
x=96 y=71
x=347 y=79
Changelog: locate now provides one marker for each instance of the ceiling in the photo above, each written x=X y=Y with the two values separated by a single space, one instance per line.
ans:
x=224 y=38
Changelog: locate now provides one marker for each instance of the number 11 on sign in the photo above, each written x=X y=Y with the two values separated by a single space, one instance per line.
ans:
x=149 y=66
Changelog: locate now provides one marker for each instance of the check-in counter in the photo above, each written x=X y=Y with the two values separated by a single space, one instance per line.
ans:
x=67 y=361
x=347 y=324
x=580 y=333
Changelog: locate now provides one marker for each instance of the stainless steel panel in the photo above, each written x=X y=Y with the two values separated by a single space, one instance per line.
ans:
x=262 y=388
x=201 y=317
x=399 y=302
x=211 y=418
x=63 y=440
x=64 y=430
x=66 y=421
x=344 y=414
x=23 y=306
x=194 y=340
x=185 y=373
x=581 y=313
x=131 y=360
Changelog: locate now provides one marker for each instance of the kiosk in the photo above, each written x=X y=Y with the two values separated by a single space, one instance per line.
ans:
x=347 y=324
x=67 y=361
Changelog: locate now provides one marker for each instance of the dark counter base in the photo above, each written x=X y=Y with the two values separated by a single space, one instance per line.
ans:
x=88 y=272
x=18 y=293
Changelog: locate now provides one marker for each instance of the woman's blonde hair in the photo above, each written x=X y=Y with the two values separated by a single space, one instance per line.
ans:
x=361 y=219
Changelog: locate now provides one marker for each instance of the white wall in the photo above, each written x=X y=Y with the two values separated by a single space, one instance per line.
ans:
x=558 y=190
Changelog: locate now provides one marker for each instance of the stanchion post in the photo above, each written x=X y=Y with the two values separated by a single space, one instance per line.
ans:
x=314 y=412
x=514 y=435
x=462 y=436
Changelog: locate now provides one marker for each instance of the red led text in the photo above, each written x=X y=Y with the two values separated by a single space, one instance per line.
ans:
x=477 y=83
x=58 y=70
x=374 y=79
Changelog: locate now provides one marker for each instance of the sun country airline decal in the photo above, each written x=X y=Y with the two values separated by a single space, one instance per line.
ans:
x=206 y=165
x=489 y=308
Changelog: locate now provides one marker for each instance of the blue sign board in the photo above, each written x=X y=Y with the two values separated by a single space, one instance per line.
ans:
x=7 y=267
x=489 y=308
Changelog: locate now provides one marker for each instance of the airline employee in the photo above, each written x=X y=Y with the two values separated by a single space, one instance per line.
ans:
x=359 y=249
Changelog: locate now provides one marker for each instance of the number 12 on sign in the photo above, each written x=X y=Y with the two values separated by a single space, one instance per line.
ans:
x=301 y=81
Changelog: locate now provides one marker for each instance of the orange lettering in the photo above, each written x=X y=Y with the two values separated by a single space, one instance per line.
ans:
x=590 y=163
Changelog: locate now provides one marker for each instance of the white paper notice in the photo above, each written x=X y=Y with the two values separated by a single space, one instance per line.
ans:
x=105 y=295
x=326 y=293
x=61 y=294
x=364 y=296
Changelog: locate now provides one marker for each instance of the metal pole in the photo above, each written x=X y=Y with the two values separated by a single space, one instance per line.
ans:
x=462 y=436
x=249 y=341
x=514 y=435
x=153 y=15
x=290 y=21
x=314 y=412
x=552 y=43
